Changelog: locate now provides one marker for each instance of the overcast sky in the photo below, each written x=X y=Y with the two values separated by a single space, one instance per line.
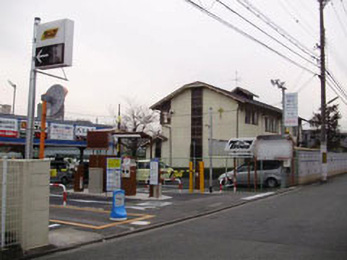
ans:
x=143 y=50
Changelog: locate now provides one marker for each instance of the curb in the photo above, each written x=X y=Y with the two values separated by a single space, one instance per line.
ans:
x=159 y=225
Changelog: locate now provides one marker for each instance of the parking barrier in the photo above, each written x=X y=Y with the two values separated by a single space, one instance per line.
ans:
x=221 y=185
x=64 y=191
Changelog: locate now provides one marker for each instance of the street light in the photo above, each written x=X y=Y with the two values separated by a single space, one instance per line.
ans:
x=14 y=94
x=280 y=85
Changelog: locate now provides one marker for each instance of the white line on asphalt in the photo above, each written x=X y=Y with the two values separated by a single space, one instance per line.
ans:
x=258 y=196
x=54 y=225
x=140 y=223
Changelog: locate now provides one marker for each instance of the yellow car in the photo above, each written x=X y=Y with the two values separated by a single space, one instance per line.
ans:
x=143 y=169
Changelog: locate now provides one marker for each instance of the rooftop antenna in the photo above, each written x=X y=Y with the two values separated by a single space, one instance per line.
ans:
x=236 y=79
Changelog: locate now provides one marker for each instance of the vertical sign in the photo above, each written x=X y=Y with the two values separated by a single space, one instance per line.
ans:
x=154 y=172
x=113 y=174
x=291 y=109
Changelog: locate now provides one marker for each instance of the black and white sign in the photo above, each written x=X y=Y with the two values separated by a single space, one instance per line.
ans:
x=49 y=55
x=54 y=42
x=240 y=146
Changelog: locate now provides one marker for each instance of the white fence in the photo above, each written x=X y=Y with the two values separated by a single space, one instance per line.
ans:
x=309 y=165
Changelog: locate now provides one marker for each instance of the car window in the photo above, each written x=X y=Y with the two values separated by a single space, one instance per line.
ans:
x=271 y=165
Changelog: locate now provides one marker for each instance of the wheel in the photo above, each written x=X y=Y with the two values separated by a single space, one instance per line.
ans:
x=271 y=183
x=64 y=180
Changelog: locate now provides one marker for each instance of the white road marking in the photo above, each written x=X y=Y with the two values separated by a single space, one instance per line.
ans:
x=54 y=225
x=258 y=196
x=140 y=223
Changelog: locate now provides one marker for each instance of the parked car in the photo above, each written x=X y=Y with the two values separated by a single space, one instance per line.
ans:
x=271 y=174
x=143 y=169
x=60 y=172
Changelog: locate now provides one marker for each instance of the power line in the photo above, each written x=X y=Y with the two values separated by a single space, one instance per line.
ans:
x=305 y=84
x=343 y=6
x=339 y=19
x=298 y=20
x=221 y=20
x=264 y=32
x=255 y=11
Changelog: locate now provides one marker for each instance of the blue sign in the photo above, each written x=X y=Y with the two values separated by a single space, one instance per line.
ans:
x=118 y=212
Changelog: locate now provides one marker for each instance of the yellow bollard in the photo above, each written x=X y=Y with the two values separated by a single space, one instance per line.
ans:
x=191 y=177
x=202 y=177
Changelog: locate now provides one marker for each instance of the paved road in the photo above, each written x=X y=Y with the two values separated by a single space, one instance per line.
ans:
x=309 y=223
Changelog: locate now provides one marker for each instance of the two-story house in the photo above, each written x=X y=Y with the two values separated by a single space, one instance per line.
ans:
x=185 y=120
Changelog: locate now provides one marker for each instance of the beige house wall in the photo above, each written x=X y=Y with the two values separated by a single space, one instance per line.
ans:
x=180 y=131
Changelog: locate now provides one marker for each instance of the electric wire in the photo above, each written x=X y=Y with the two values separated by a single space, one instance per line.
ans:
x=255 y=11
x=339 y=19
x=297 y=18
x=343 y=7
x=221 y=20
x=301 y=88
x=264 y=32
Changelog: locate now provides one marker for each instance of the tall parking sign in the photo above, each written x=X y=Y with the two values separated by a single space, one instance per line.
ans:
x=54 y=44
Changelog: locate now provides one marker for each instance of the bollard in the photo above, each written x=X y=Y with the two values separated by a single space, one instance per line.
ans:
x=190 y=177
x=64 y=191
x=221 y=185
x=118 y=212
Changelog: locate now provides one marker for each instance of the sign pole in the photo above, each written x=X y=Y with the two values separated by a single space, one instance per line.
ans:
x=31 y=98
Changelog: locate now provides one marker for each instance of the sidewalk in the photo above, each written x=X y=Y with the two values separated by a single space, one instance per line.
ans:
x=173 y=207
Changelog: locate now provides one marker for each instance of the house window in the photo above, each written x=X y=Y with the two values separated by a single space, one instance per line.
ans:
x=251 y=117
x=271 y=125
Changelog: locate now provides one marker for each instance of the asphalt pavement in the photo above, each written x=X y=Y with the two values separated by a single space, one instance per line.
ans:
x=85 y=219
x=302 y=223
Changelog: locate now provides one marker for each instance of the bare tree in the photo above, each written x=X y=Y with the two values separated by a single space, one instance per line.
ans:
x=138 y=118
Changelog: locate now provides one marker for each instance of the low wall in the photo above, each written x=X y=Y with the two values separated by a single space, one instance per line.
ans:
x=27 y=202
x=309 y=165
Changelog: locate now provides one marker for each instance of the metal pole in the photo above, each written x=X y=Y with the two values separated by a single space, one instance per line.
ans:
x=323 y=143
x=14 y=98
x=170 y=133
x=283 y=111
x=31 y=98
x=3 y=202
x=210 y=134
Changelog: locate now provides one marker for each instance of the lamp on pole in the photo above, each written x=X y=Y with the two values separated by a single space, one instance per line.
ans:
x=280 y=85
x=14 y=94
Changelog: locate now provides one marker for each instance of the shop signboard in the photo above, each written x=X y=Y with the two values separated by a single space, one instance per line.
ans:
x=8 y=127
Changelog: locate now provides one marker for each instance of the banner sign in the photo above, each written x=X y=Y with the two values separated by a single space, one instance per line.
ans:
x=81 y=132
x=291 y=109
x=113 y=174
x=61 y=132
x=8 y=127
x=37 y=129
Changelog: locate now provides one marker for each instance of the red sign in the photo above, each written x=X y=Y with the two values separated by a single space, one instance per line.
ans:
x=8 y=127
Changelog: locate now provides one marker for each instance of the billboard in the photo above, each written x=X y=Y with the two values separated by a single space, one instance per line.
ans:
x=61 y=132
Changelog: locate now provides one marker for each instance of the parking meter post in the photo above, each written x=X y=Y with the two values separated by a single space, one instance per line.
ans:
x=261 y=175
x=202 y=177
x=255 y=174
x=249 y=176
x=191 y=177
x=283 y=176
x=234 y=177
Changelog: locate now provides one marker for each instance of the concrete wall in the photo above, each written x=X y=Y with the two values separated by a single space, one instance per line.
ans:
x=28 y=199
x=309 y=165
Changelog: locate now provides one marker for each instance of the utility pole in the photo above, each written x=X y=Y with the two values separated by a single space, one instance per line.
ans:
x=210 y=145
x=323 y=142
x=280 y=85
